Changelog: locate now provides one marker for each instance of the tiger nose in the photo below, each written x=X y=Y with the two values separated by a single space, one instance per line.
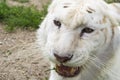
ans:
x=63 y=59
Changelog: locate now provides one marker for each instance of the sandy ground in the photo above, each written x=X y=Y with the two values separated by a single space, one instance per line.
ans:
x=20 y=56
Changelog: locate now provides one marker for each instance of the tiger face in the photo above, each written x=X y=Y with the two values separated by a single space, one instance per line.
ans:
x=76 y=33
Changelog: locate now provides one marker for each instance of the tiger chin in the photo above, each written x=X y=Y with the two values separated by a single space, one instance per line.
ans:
x=81 y=39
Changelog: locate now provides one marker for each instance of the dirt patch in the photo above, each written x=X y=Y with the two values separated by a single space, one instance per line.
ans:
x=11 y=40
x=24 y=63
x=20 y=56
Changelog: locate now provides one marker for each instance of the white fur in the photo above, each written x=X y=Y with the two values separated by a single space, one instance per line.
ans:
x=98 y=52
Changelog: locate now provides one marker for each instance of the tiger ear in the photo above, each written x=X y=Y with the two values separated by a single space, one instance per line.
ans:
x=115 y=10
x=113 y=13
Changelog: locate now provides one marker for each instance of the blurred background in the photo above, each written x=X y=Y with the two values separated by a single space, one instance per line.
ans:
x=20 y=57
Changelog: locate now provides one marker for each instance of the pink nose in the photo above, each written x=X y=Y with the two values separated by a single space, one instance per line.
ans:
x=63 y=59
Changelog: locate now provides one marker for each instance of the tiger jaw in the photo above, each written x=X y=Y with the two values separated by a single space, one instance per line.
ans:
x=70 y=68
x=67 y=71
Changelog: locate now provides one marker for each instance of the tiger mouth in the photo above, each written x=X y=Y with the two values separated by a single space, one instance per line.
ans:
x=67 y=71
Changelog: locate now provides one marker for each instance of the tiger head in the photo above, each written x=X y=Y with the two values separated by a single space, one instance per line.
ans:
x=77 y=33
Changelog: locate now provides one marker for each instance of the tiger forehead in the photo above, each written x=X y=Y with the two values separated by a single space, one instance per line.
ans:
x=76 y=19
x=67 y=4
x=72 y=14
x=76 y=16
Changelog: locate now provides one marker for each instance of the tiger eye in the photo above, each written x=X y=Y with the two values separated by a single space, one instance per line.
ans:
x=86 y=30
x=57 y=23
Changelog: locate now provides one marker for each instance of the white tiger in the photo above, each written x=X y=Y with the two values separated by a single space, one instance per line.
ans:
x=81 y=38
